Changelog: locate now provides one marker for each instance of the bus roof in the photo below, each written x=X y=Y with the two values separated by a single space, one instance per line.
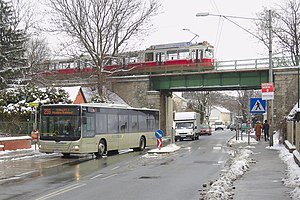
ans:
x=103 y=105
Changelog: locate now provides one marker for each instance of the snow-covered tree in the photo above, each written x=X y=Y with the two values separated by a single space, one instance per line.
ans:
x=14 y=102
x=12 y=41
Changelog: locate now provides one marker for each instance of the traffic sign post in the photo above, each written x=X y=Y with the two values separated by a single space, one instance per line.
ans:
x=257 y=105
x=267 y=91
x=159 y=134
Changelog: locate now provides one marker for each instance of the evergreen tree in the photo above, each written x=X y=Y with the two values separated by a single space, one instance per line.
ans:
x=12 y=42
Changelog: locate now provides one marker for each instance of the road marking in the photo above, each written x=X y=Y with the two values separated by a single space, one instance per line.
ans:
x=96 y=176
x=61 y=191
x=117 y=167
x=25 y=173
x=217 y=148
x=107 y=177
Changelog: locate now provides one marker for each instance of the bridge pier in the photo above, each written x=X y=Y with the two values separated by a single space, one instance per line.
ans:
x=166 y=112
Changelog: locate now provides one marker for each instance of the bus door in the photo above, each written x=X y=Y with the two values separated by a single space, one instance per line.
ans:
x=88 y=131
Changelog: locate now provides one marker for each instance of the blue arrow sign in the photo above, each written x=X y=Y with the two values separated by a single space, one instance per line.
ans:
x=257 y=105
x=159 y=134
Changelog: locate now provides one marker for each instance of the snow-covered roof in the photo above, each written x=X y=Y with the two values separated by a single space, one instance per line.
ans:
x=292 y=113
x=221 y=109
x=72 y=91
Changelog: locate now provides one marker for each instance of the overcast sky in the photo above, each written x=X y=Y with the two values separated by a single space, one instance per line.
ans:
x=230 y=41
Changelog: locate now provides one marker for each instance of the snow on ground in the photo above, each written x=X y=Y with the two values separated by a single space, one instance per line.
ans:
x=221 y=188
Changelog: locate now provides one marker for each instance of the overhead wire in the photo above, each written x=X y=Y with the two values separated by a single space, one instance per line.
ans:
x=220 y=26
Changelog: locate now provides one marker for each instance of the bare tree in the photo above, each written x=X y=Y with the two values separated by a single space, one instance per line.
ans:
x=37 y=52
x=199 y=102
x=285 y=29
x=102 y=27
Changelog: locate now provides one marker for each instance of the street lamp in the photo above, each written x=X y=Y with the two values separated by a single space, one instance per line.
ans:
x=269 y=102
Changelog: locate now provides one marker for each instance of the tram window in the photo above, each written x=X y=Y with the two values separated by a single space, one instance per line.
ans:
x=149 y=56
x=208 y=53
x=184 y=54
x=172 y=55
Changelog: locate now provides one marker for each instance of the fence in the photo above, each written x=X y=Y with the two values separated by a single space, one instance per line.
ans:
x=15 y=128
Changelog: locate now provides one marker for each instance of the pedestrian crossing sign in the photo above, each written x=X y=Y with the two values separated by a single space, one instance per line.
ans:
x=257 y=105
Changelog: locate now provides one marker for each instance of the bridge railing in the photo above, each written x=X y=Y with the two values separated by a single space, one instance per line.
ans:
x=251 y=64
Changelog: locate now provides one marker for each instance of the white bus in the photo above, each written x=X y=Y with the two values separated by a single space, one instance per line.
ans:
x=96 y=128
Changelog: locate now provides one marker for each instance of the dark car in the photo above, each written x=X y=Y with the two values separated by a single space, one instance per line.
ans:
x=205 y=129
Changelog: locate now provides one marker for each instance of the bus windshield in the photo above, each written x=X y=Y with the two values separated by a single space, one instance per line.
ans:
x=60 y=124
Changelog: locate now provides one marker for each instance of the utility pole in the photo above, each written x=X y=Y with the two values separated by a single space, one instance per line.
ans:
x=270 y=102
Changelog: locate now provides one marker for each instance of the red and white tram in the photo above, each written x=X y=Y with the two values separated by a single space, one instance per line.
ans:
x=169 y=57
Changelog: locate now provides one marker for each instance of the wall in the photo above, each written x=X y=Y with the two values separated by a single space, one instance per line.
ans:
x=133 y=90
x=297 y=136
x=286 y=93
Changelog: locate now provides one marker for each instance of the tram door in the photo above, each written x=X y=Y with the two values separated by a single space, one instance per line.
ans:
x=160 y=57
x=197 y=55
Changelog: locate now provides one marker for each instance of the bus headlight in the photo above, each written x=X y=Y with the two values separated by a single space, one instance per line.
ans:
x=75 y=148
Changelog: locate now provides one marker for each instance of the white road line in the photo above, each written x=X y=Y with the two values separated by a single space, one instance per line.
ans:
x=117 y=167
x=61 y=191
x=107 y=177
x=96 y=176
x=25 y=173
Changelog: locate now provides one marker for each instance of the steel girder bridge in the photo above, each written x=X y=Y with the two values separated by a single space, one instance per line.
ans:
x=226 y=75
x=210 y=81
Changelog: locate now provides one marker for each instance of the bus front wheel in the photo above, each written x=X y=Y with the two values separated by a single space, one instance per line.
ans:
x=142 y=144
x=102 y=149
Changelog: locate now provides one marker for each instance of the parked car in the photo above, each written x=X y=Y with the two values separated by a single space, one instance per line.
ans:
x=205 y=129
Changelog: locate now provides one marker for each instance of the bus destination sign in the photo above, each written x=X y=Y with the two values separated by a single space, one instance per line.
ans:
x=61 y=111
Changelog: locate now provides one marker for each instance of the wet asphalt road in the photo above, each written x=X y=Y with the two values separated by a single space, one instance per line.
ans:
x=133 y=175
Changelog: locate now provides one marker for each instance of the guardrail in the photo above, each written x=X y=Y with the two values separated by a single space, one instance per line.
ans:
x=251 y=64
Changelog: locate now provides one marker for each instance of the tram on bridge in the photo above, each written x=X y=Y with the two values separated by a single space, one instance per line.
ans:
x=157 y=58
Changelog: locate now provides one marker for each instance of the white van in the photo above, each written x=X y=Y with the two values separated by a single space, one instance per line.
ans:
x=219 y=125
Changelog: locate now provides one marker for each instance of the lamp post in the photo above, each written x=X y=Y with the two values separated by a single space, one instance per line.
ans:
x=269 y=102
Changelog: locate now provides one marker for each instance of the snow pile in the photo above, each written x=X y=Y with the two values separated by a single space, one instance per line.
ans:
x=221 y=188
x=292 y=179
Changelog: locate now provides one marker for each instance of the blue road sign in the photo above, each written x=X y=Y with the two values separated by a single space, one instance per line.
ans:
x=257 y=105
x=159 y=134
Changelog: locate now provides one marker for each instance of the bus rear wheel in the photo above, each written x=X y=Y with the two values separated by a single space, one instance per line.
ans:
x=102 y=149
x=142 y=144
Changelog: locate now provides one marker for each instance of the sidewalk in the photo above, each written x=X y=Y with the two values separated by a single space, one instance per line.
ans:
x=263 y=180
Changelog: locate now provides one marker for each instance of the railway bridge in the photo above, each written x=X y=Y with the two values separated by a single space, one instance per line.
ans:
x=153 y=88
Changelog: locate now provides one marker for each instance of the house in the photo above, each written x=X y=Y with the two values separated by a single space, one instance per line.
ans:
x=76 y=94
x=219 y=113
x=179 y=103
